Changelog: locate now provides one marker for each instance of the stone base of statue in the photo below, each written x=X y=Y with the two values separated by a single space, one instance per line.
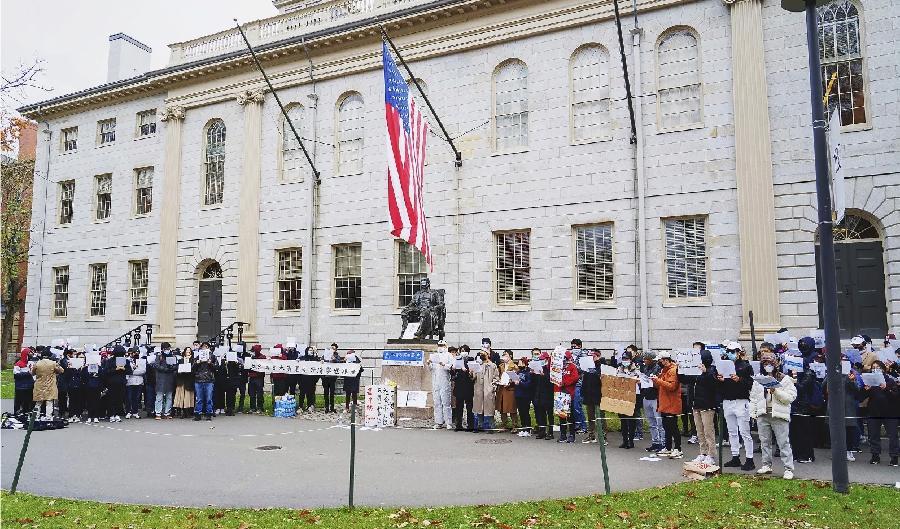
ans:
x=403 y=363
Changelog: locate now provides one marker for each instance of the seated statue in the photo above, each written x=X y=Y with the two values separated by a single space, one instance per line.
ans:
x=428 y=309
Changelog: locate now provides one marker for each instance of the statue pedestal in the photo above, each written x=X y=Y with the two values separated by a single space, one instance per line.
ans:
x=412 y=377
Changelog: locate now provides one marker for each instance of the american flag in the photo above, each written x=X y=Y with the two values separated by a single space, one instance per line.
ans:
x=406 y=132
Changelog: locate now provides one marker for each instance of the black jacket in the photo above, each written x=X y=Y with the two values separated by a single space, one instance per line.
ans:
x=543 y=388
x=706 y=395
x=113 y=376
x=731 y=390
x=463 y=384
x=204 y=371
x=590 y=388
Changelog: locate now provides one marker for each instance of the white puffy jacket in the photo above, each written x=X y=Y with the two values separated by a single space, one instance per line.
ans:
x=782 y=398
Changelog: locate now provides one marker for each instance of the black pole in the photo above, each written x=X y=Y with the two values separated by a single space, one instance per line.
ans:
x=633 y=138
x=415 y=81
x=826 y=262
x=753 y=337
x=15 y=483
x=352 y=452
x=278 y=100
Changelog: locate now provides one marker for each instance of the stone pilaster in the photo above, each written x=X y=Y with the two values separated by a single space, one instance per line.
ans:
x=173 y=117
x=753 y=153
x=248 y=212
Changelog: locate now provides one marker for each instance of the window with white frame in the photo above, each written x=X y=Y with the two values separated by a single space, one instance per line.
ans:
x=841 y=53
x=686 y=257
x=594 y=263
x=60 y=291
x=513 y=267
x=290 y=278
x=679 y=91
x=69 y=139
x=511 y=106
x=139 y=283
x=351 y=129
x=347 y=276
x=104 y=196
x=411 y=269
x=143 y=190
x=589 y=79
x=293 y=162
x=98 y=290
x=66 y=201
x=146 y=123
x=214 y=165
x=106 y=131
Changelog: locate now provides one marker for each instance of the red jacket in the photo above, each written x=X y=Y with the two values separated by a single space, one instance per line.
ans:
x=569 y=379
x=669 y=390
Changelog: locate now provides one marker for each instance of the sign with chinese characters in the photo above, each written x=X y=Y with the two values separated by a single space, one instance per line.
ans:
x=556 y=364
x=302 y=367
x=403 y=357
x=379 y=406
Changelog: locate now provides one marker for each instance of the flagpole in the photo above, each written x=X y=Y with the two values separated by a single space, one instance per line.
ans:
x=278 y=100
x=415 y=81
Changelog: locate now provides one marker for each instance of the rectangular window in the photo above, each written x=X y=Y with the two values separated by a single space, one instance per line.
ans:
x=138 y=288
x=686 y=257
x=66 y=199
x=290 y=278
x=594 y=263
x=69 y=138
x=104 y=196
x=411 y=269
x=143 y=190
x=60 y=292
x=513 y=267
x=146 y=123
x=106 y=131
x=347 y=276
x=98 y=290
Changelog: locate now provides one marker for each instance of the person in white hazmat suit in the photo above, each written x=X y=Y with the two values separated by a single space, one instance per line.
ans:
x=440 y=387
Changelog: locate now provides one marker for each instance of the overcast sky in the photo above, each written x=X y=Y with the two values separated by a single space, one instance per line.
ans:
x=73 y=36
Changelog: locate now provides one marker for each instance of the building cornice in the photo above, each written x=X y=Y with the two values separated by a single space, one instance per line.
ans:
x=399 y=22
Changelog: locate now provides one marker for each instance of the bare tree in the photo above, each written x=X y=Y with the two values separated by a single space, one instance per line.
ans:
x=24 y=76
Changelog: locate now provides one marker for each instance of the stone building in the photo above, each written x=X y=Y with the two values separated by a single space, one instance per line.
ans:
x=175 y=197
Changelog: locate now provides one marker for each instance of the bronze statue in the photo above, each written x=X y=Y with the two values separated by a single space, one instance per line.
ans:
x=427 y=307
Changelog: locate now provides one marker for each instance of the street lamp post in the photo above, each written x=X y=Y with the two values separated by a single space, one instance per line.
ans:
x=826 y=249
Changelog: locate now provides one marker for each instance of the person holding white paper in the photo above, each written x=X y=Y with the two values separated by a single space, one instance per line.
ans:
x=165 y=382
x=232 y=371
x=203 y=376
x=649 y=400
x=351 y=384
x=134 y=384
x=506 y=394
x=543 y=397
x=771 y=407
x=524 y=395
x=255 y=382
x=73 y=364
x=705 y=402
x=463 y=391
x=735 y=393
x=329 y=383
x=484 y=391
x=115 y=370
x=185 y=398
x=630 y=368
x=590 y=394
x=439 y=365
x=884 y=411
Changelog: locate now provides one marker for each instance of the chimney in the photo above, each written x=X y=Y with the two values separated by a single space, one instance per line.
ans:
x=127 y=57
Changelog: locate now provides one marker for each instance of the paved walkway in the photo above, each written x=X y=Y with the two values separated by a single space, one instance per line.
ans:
x=181 y=462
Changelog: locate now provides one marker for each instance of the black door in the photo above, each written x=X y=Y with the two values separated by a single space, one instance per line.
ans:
x=862 y=307
x=209 y=309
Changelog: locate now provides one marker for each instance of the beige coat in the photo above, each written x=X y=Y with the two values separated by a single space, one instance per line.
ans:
x=45 y=372
x=483 y=400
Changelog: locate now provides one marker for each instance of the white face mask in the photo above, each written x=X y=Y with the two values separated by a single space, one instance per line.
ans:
x=768 y=368
x=626 y=363
x=876 y=370
x=442 y=349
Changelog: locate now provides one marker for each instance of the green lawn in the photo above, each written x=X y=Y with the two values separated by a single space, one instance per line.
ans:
x=724 y=502
x=7 y=385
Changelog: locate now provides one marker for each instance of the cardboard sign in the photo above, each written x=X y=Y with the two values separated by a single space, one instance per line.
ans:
x=403 y=357
x=302 y=367
x=688 y=361
x=412 y=399
x=379 y=407
x=617 y=395
x=556 y=364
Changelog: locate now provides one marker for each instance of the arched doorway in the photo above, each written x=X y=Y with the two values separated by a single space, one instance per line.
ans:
x=209 y=304
x=859 y=268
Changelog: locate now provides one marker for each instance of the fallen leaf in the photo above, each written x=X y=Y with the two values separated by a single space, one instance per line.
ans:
x=623 y=515
x=734 y=485
x=52 y=514
x=530 y=522
x=217 y=515
x=797 y=497
x=244 y=525
x=146 y=510
x=503 y=526
x=756 y=503
x=644 y=515
x=599 y=525
x=24 y=521
x=570 y=507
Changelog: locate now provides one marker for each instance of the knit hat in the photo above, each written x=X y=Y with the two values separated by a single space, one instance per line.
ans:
x=119 y=350
x=256 y=348
x=650 y=354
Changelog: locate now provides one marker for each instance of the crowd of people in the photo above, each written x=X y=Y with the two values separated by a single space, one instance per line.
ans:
x=780 y=391
x=164 y=383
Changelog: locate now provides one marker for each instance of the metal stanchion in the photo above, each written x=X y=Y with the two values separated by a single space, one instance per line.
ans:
x=15 y=483
x=601 y=439
x=352 y=452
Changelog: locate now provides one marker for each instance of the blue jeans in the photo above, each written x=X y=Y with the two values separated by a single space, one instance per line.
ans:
x=149 y=397
x=163 y=404
x=484 y=422
x=133 y=395
x=203 y=393
x=578 y=410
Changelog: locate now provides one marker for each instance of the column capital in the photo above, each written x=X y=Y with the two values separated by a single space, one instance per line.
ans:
x=250 y=96
x=172 y=112
x=730 y=3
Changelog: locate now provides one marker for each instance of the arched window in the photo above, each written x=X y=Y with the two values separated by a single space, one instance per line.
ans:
x=840 y=49
x=589 y=85
x=350 y=127
x=293 y=163
x=214 y=166
x=853 y=228
x=511 y=106
x=679 y=90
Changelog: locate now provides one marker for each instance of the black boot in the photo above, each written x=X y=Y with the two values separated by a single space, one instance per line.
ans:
x=748 y=464
x=240 y=407
x=735 y=462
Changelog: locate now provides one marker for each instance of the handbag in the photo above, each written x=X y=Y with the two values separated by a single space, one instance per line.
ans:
x=562 y=403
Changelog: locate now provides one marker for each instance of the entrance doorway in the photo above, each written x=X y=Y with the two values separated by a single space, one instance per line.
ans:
x=209 y=304
x=859 y=268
